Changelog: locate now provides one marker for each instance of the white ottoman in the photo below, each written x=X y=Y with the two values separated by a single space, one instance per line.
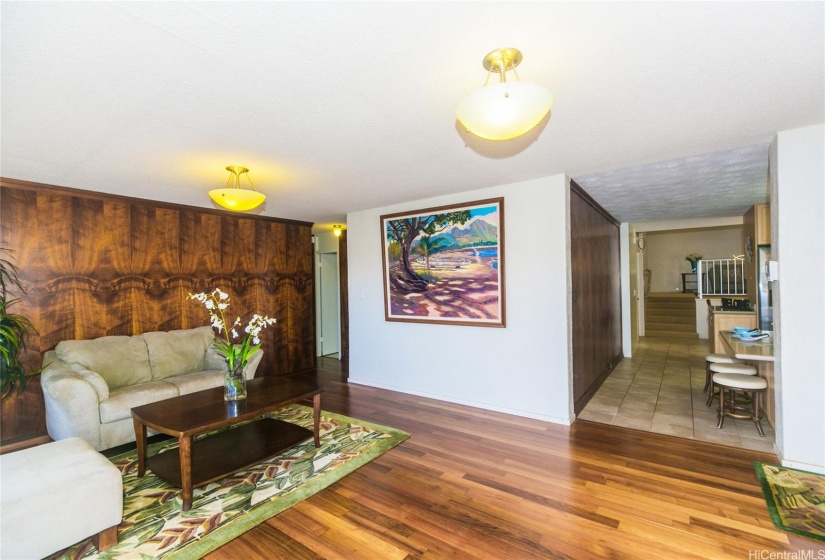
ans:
x=55 y=495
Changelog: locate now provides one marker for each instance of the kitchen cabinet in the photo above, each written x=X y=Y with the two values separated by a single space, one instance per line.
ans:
x=763 y=224
x=719 y=321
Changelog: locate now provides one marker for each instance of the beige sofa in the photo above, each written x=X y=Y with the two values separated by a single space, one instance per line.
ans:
x=91 y=386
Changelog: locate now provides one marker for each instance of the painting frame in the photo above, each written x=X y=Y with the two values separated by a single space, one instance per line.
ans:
x=445 y=265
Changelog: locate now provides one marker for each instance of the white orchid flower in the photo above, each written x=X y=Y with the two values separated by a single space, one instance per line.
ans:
x=216 y=302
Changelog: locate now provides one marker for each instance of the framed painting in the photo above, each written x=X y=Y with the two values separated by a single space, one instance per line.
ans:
x=445 y=265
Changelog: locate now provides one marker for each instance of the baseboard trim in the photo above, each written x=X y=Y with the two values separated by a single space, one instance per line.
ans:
x=23 y=444
x=465 y=402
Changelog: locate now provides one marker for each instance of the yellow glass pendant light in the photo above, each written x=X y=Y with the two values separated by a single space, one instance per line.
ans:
x=507 y=109
x=232 y=196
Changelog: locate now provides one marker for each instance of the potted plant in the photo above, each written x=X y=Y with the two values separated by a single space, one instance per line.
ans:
x=693 y=258
x=13 y=332
x=236 y=355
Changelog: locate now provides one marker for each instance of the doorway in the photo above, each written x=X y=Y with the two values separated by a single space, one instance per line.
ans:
x=330 y=339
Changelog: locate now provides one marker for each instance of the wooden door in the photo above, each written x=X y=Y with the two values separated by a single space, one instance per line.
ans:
x=596 y=294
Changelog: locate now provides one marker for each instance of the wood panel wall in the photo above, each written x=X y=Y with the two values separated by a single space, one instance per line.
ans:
x=96 y=265
x=596 y=294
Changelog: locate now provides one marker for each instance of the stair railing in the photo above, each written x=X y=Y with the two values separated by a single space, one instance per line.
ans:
x=721 y=277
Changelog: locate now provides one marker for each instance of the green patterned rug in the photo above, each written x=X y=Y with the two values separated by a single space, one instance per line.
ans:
x=796 y=499
x=154 y=526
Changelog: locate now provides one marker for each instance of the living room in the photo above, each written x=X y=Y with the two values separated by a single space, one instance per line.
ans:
x=340 y=121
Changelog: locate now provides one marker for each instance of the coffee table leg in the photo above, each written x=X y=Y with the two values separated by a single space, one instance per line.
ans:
x=140 y=439
x=185 y=450
x=316 y=418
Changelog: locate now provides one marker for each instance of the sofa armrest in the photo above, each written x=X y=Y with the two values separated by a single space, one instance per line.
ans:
x=95 y=380
x=72 y=404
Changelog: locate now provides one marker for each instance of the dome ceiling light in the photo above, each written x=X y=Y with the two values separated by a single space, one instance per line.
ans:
x=507 y=109
x=232 y=196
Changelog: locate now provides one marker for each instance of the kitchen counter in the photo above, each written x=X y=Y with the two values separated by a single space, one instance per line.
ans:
x=758 y=353
x=757 y=350
x=718 y=309
x=720 y=321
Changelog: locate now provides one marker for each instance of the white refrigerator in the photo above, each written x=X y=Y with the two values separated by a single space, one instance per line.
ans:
x=764 y=294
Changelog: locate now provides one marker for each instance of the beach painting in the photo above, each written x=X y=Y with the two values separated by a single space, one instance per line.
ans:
x=445 y=264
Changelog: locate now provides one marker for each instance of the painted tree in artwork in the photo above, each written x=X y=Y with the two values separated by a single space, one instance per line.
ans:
x=404 y=231
x=428 y=245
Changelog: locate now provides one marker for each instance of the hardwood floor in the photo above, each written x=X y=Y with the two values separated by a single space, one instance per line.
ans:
x=476 y=484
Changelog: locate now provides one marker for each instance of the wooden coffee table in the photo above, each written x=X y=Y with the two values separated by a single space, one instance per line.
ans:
x=215 y=456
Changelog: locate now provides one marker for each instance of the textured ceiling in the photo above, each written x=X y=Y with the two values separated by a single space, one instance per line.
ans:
x=343 y=106
x=713 y=185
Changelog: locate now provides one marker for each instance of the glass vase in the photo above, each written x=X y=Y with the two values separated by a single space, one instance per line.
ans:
x=234 y=383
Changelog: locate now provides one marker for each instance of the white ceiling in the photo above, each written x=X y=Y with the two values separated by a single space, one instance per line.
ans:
x=343 y=106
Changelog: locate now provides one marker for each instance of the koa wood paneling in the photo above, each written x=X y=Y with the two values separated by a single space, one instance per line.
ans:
x=596 y=294
x=96 y=265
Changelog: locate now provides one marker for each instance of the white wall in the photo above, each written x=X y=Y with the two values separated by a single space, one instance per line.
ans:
x=665 y=252
x=523 y=369
x=628 y=287
x=798 y=241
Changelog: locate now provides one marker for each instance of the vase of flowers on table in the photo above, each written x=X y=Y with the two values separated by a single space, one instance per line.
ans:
x=693 y=258
x=236 y=354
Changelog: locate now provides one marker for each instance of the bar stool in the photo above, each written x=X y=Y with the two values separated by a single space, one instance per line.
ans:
x=738 y=369
x=731 y=384
x=717 y=359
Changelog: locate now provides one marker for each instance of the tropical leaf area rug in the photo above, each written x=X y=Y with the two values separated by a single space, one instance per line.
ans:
x=796 y=499
x=154 y=526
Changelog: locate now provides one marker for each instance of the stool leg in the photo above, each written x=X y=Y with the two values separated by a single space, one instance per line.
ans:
x=721 y=408
x=757 y=412
x=710 y=393
x=707 y=377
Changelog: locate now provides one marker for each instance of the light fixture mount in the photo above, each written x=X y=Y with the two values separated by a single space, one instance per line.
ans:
x=237 y=170
x=502 y=60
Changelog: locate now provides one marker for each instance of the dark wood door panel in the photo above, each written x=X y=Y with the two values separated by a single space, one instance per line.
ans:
x=596 y=295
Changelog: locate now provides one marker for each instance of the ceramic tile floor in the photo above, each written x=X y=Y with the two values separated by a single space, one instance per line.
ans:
x=659 y=390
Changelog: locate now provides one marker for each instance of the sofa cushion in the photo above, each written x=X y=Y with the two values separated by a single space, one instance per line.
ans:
x=177 y=352
x=199 y=381
x=120 y=403
x=213 y=359
x=119 y=360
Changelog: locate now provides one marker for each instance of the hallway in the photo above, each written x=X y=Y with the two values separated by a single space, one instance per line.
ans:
x=659 y=390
